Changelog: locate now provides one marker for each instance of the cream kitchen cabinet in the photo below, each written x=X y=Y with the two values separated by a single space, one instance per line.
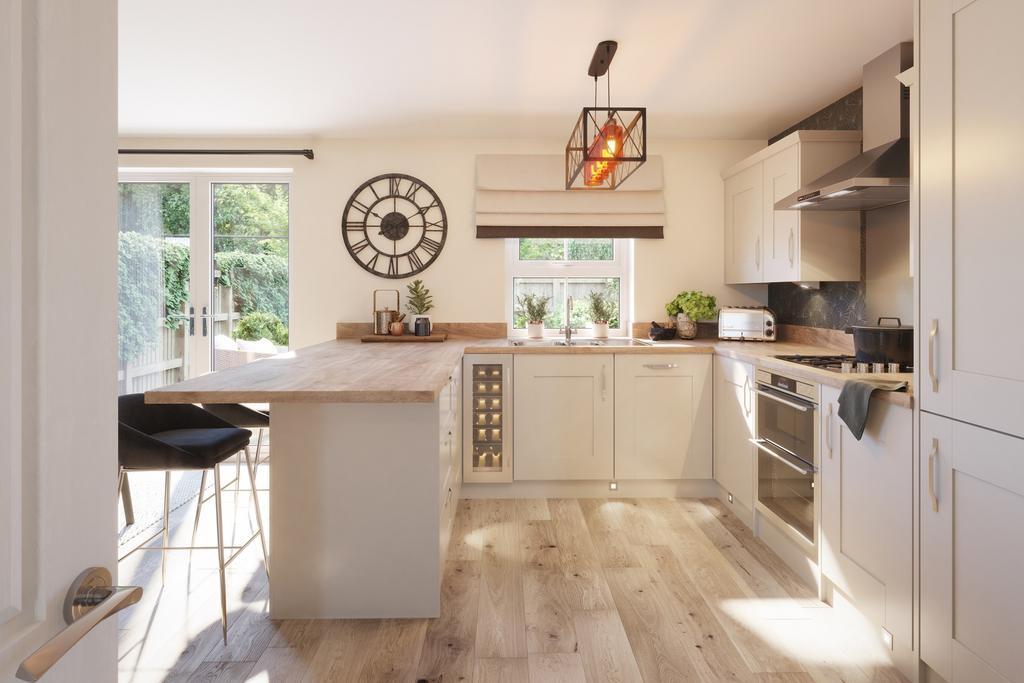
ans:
x=564 y=407
x=866 y=529
x=734 y=426
x=970 y=273
x=765 y=245
x=663 y=423
x=972 y=551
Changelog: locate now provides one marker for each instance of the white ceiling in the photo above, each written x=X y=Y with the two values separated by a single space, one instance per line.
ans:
x=468 y=68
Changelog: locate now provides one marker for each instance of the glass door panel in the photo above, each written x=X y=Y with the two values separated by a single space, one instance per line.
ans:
x=154 y=259
x=250 y=271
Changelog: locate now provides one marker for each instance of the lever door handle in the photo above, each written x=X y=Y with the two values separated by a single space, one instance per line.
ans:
x=90 y=600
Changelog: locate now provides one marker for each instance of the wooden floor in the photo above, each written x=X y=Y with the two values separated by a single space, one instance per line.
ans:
x=534 y=590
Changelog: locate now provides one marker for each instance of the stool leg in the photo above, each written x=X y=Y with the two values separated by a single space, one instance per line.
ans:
x=220 y=553
x=167 y=526
x=256 y=502
x=125 y=490
x=259 y=445
x=238 y=472
x=199 y=508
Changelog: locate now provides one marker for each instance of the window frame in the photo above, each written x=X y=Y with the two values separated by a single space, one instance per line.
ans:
x=621 y=267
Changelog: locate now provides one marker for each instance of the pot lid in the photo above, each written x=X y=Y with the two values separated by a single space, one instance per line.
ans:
x=899 y=326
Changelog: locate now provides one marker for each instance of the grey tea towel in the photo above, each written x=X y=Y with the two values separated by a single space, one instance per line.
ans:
x=855 y=400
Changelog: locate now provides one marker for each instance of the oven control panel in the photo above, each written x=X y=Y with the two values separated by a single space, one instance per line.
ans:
x=789 y=384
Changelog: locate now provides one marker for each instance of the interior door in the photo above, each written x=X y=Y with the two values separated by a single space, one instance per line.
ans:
x=970 y=237
x=564 y=414
x=58 y=349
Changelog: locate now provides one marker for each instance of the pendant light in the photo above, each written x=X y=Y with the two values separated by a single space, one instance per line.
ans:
x=608 y=143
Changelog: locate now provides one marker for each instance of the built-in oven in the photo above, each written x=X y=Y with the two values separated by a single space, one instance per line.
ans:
x=787 y=452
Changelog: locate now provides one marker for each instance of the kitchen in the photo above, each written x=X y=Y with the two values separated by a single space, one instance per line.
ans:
x=516 y=412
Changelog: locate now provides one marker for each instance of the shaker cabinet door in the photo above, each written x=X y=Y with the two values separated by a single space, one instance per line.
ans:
x=744 y=220
x=733 y=430
x=781 y=228
x=971 y=240
x=564 y=416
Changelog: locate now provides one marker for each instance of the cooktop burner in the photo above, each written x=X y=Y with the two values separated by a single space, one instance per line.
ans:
x=847 y=364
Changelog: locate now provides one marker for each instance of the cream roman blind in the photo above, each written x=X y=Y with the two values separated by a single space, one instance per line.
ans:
x=524 y=195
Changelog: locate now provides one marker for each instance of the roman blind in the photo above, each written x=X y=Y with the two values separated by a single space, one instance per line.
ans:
x=524 y=195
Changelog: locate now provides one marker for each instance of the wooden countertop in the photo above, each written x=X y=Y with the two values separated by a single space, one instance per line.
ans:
x=347 y=371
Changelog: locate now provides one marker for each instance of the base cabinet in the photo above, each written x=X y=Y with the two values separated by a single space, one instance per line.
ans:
x=866 y=535
x=972 y=552
x=734 y=424
x=564 y=408
x=663 y=409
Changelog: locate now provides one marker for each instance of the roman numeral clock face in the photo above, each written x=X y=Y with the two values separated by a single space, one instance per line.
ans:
x=394 y=225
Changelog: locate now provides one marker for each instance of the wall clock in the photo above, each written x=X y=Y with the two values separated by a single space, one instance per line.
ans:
x=394 y=225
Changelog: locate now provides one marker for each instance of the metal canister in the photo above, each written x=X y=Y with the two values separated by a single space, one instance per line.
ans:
x=382 y=318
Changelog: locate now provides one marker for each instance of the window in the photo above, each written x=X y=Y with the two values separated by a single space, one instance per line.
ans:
x=563 y=268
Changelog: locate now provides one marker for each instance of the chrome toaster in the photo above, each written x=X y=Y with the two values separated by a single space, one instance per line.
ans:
x=746 y=323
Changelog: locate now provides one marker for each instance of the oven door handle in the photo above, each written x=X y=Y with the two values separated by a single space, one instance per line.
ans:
x=800 y=466
x=802 y=407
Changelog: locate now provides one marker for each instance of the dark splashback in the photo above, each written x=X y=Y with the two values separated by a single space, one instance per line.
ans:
x=837 y=304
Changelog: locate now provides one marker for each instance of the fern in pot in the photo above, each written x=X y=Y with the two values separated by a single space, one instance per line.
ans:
x=602 y=310
x=534 y=309
x=419 y=304
x=688 y=308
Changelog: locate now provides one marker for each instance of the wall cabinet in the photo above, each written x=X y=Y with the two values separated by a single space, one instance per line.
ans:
x=972 y=551
x=765 y=245
x=564 y=408
x=663 y=409
x=970 y=236
x=734 y=425
x=866 y=529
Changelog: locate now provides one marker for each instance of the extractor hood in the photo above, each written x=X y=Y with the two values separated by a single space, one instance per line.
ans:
x=879 y=176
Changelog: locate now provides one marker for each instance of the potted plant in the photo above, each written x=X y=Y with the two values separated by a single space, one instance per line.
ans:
x=534 y=308
x=602 y=310
x=690 y=307
x=419 y=303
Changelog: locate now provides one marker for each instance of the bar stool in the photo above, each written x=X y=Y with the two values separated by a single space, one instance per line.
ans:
x=184 y=437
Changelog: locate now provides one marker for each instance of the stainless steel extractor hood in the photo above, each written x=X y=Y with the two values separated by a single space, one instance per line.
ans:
x=879 y=176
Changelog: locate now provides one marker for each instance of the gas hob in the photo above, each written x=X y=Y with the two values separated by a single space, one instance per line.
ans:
x=845 y=364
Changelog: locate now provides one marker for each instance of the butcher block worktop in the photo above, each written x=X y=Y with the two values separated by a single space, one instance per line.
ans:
x=347 y=371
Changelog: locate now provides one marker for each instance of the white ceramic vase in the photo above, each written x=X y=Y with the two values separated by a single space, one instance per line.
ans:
x=685 y=328
x=600 y=330
x=535 y=330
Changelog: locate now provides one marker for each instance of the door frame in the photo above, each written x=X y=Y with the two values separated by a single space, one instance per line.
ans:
x=200 y=286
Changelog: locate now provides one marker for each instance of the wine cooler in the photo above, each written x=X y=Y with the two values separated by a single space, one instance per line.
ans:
x=487 y=419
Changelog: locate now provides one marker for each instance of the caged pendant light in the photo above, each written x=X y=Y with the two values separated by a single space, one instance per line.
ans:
x=608 y=143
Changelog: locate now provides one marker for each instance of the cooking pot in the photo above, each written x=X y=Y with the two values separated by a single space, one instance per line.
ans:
x=884 y=343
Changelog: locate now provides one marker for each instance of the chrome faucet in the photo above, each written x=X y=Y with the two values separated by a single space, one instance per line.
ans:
x=568 y=321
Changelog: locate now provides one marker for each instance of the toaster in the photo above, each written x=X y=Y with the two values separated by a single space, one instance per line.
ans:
x=746 y=323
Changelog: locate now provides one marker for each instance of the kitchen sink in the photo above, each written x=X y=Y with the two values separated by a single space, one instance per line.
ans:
x=580 y=341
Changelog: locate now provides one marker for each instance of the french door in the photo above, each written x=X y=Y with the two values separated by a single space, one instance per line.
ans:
x=203 y=274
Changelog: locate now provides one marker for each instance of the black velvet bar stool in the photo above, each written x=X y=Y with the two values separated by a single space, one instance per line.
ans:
x=184 y=437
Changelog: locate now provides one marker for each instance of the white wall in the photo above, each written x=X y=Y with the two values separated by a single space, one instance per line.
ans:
x=888 y=287
x=467 y=280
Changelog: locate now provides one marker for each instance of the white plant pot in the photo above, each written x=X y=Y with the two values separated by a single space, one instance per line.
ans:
x=685 y=328
x=535 y=330
x=600 y=330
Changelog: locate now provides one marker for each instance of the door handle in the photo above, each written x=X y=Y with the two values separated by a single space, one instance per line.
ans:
x=661 y=366
x=932 y=334
x=828 y=430
x=932 y=457
x=205 y=318
x=757 y=252
x=604 y=384
x=800 y=466
x=746 y=395
x=791 y=254
x=90 y=600
x=803 y=408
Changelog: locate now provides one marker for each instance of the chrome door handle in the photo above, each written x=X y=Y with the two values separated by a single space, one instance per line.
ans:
x=791 y=254
x=932 y=334
x=90 y=600
x=932 y=456
x=661 y=366
x=746 y=395
x=799 y=467
x=604 y=384
x=757 y=252
x=779 y=399
x=828 y=430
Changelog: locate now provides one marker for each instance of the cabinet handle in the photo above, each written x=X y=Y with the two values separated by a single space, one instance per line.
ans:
x=791 y=254
x=932 y=456
x=746 y=394
x=661 y=366
x=757 y=252
x=828 y=430
x=932 y=334
x=604 y=384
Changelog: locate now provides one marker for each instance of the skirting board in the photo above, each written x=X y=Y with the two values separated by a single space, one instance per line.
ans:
x=675 y=488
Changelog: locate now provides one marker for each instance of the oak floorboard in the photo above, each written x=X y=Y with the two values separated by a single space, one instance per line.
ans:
x=222 y=672
x=549 y=614
x=501 y=618
x=556 y=668
x=393 y=651
x=605 y=649
x=532 y=509
x=281 y=664
x=502 y=670
x=448 y=645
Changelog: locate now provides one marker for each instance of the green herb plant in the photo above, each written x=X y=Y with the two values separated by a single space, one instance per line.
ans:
x=420 y=301
x=695 y=304
x=602 y=306
x=533 y=307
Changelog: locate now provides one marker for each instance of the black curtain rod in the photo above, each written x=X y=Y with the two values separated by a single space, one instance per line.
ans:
x=308 y=153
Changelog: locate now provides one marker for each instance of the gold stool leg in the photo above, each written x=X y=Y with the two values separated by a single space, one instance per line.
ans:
x=259 y=445
x=167 y=526
x=220 y=552
x=256 y=502
x=124 y=489
x=199 y=509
